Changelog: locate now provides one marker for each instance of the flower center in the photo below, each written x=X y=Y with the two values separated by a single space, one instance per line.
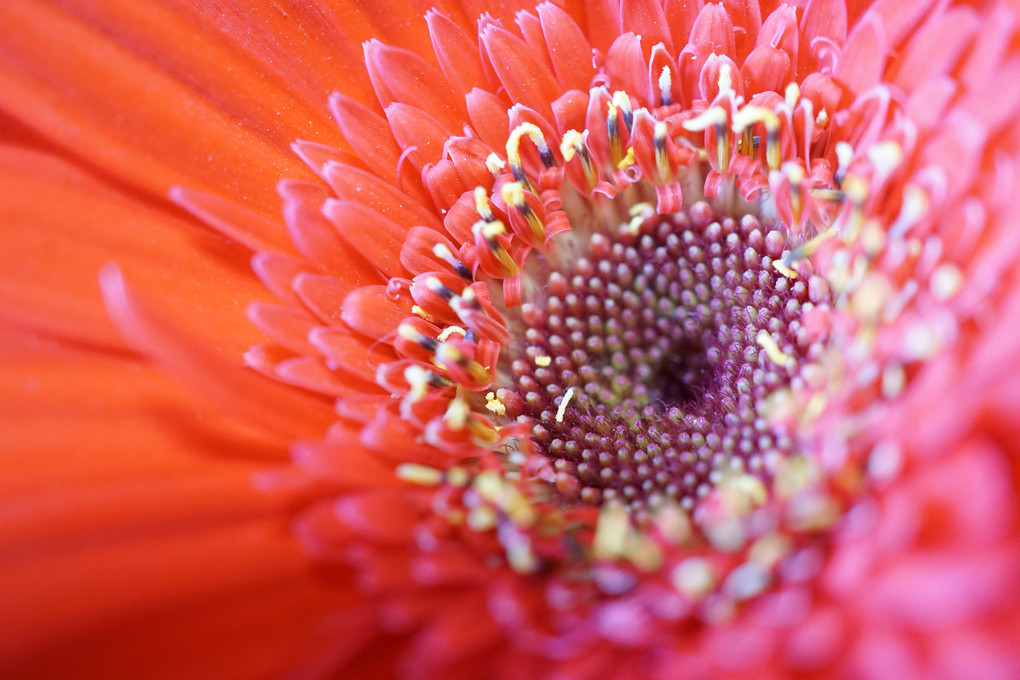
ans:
x=644 y=362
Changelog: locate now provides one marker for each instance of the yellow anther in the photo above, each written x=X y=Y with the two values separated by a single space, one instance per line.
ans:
x=844 y=156
x=792 y=94
x=450 y=330
x=642 y=552
x=694 y=578
x=494 y=164
x=573 y=141
x=750 y=115
x=946 y=281
x=482 y=204
x=822 y=119
x=783 y=269
x=513 y=193
x=489 y=231
x=666 y=86
x=627 y=160
x=513 y=150
x=611 y=531
x=493 y=403
x=725 y=79
x=447 y=354
x=915 y=206
x=741 y=493
x=457 y=476
x=640 y=212
x=457 y=412
x=418 y=311
x=521 y=558
x=481 y=518
x=418 y=378
x=419 y=474
x=563 y=404
x=662 y=165
x=543 y=360
x=613 y=132
x=706 y=119
x=776 y=355
x=886 y=156
x=621 y=100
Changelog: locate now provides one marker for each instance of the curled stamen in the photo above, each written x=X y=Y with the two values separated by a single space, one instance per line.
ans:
x=513 y=151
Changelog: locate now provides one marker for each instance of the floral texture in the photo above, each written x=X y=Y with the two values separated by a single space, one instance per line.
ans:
x=627 y=339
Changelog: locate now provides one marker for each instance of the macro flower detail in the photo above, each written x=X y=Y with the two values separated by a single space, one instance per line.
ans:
x=648 y=340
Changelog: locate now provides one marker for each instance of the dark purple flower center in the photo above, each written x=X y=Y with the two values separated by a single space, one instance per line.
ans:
x=645 y=354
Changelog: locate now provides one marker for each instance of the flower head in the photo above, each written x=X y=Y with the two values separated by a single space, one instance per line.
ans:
x=670 y=339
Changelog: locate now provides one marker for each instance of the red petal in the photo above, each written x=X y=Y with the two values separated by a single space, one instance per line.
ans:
x=456 y=52
x=373 y=311
x=526 y=80
x=400 y=76
x=376 y=237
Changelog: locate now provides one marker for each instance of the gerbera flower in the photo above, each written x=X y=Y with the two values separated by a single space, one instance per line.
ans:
x=616 y=339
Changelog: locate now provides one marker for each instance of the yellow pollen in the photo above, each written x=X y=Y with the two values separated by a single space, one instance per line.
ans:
x=886 y=156
x=613 y=131
x=776 y=355
x=457 y=413
x=493 y=403
x=750 y=115
x=572 y=142
x=639 y=213
x=450 y=330
x=494 y=164
x=694 y=578
x=513 y=150
x=513 y=193
x=457 y=476
x=622 y=101
x=783 y=269
x=665 y=85
x=946 y=281
x=725 y=79
x=611 y=531
x=822 y=119
x=661 y=157
x=418 y=311
x=563 y=404
x=642 y=552
x=792 y=94
x=713 y=116
x=915 y=206
x=482 y=204
x=627 y=160
x=422 y=475
x=481 y=518
x=844 y=156
x=543 y=360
